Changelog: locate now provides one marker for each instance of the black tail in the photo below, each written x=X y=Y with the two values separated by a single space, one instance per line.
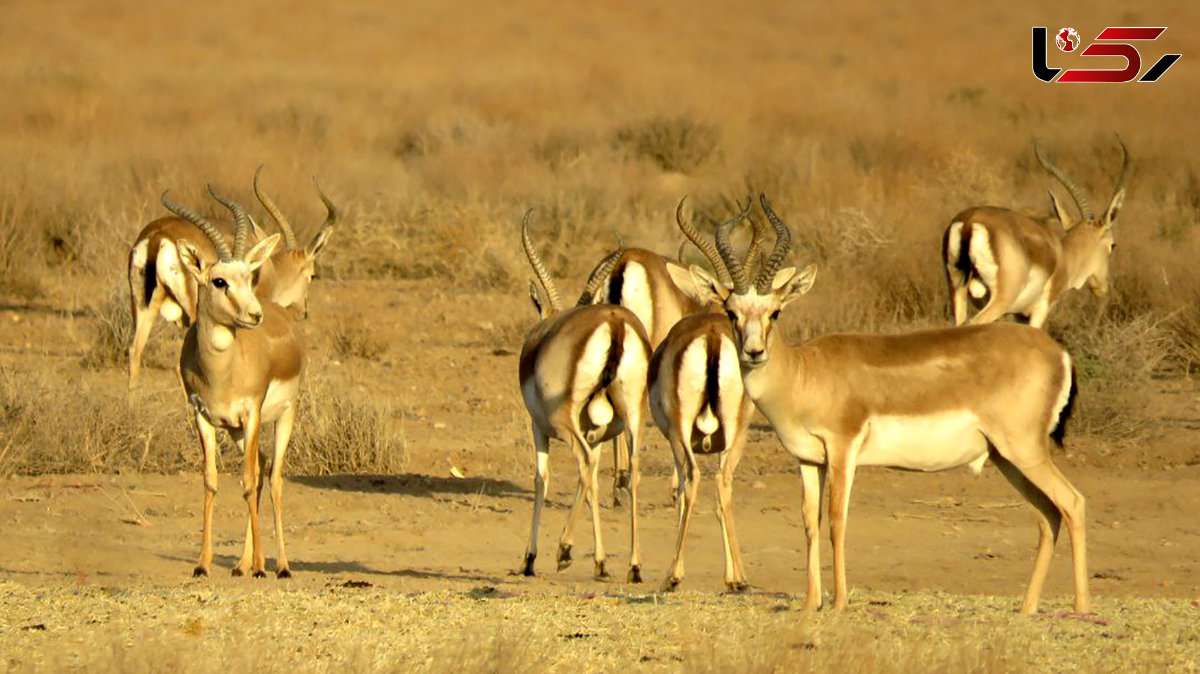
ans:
x=1060 y=428
x=963 y=262
x=615 y=351
x=616 y=281
x=712 y=384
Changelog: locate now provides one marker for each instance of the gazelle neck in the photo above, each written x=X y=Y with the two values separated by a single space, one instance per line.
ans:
x=1078 y=258
x=783 y=368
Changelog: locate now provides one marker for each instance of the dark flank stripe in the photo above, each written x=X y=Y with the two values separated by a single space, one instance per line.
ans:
x=616 y=283
x=712 y=372
x=615 y=350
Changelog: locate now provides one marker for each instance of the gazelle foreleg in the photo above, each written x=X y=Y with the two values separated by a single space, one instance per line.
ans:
x=251 y=475
x=635 y=477
x=735 y=576
x=842 y=461
x=247 y=558
x=208 y=445
x=813 y=476
x=541 y=479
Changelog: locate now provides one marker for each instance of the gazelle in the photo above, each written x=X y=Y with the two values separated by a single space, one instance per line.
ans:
x=644 y=282
x=583 y=380
x=1022 y=264
x=241 y=365
x=927 y=400
x=700 y=405
x=158 y=285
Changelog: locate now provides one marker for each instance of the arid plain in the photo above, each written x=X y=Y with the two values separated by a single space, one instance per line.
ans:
x=434 y=126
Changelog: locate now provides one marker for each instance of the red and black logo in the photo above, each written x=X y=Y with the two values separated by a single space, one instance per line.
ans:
x=1112 y=41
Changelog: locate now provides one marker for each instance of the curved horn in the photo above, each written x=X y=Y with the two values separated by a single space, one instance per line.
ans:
x=1125 y=166
x=756 y=243
x=737 y=271
x=241 y=222
x=1077 y=193
x=289 y=236
x=331 y=211
x=703 y=244
x=213 y=234
x=783 y=243
x=601 y=272
x=536 y=262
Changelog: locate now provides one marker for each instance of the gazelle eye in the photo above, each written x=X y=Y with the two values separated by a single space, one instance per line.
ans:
x=219 y=283
x=775 y=315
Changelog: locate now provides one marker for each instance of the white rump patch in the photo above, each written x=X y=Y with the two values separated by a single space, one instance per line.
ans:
x=635 y=295
x=953 y=243
x=170 y=311
x=140 y=253
x=983 y=259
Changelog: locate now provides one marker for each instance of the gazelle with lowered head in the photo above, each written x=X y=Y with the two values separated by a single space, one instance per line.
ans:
x=927 y=400
x=699 y=403
x=1022 y=265
x=583 y=380
x=240 y=366
x=644 y=282
x=159 y=286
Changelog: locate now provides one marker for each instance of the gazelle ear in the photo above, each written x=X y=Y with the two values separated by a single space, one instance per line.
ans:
x=791 y=285
x=261 y=252
x=698 y=284
x=189 y=256
x=1114 y=208
x=318 y=243
x=1060 y=211
x=537 y=299
x=259 y=232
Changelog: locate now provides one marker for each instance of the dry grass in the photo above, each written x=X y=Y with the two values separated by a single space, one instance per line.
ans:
x=345 y=430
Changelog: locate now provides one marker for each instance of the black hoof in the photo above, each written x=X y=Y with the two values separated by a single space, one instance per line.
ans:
x=601 y=572
x=670 y=584
x=621 y=481
x=199 y=571
x=635 y=574
x=237 y=573
x=564 y=557
x=260 y=574
x=283 y=573
x=738 y=587
x=527 y=570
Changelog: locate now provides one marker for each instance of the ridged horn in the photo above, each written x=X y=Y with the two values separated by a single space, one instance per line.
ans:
x=1125 y=166
x=332 y=214
x=783 y=244
x=241 y=220
x=535 y=261
x=213 y=234
x=600 y=273
x=289 y=236
x=714 y=258
x=756 y=244
x=1077 y=194
x=737 y=271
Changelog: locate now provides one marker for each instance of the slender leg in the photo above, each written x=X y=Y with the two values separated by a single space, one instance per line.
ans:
x=735 y=576
x=247 y=559
x=1046 y=477
x=251 y=474
x=814 y=490
x=143 y=322
x=690 y=479
x=541 y=479
x=635 y=479
x=283 y=433
x=841 y=478
x=593 y=499
x=620 y=470
x=582 y=488
x=1048 y=520
x=208 y=444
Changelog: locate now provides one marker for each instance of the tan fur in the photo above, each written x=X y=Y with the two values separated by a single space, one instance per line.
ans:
x=240 y=367
x=679 y=401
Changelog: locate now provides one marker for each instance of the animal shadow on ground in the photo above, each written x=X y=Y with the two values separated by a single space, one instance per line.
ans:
x=338 y=567
x=412 y=484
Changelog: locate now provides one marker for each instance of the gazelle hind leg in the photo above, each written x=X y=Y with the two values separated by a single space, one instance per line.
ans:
x=541 y=480
x=1048 y=521
x=143 y=322
x=247 y=558
x=283 y=433
x=582 y=490
x=689 y=479
x=620 y=493
x=635 y=478
x=735 y=575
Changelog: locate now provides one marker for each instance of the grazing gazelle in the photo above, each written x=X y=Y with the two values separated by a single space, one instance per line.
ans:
x=699 y=403
x=927 y=400
x=240 y=367
x=643 y=282
x=158 y=285
x=1022 y=264
x=583 y=379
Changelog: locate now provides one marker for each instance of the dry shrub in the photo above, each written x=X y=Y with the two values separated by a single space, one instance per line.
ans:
x=672 y=143
x=357 y=338
x=94 y=428
x=340 y=430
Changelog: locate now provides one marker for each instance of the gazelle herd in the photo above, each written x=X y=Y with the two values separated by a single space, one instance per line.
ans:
x=699 y=348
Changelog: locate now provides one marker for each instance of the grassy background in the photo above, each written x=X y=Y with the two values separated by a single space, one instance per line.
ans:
x=436 y=124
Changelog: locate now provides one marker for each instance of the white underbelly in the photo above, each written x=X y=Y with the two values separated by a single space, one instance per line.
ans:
x=928 y=443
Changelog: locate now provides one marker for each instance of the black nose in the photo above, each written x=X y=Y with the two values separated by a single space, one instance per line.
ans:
x=754 y=354
x=256 y=317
